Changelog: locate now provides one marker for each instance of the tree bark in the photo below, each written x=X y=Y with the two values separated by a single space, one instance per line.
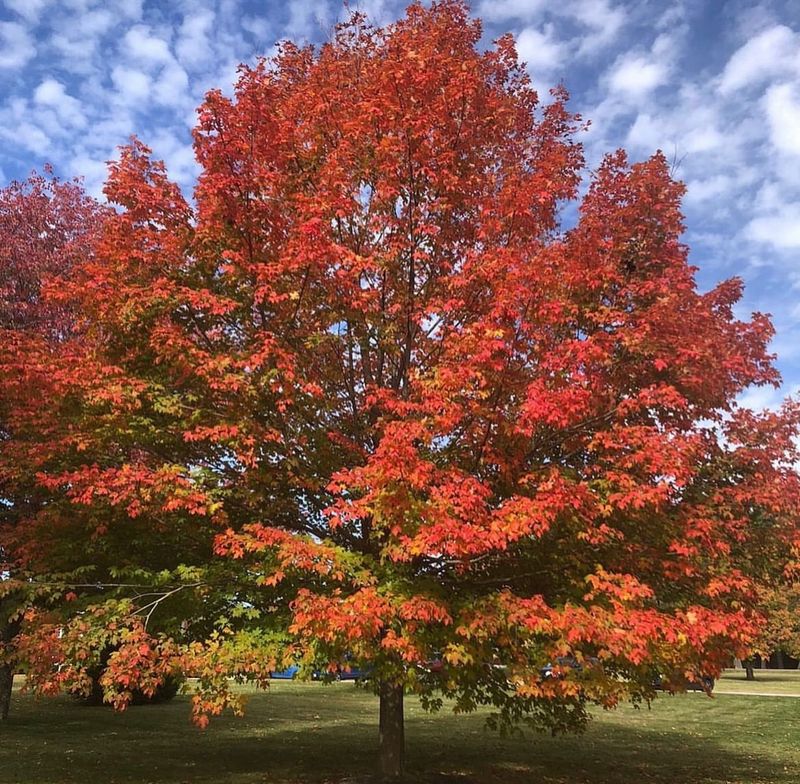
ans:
x=392 y=731
x=8 y=631
x=6 y=682
x=749 y=673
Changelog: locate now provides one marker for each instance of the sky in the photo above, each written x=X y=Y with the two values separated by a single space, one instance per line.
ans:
x=715 y=84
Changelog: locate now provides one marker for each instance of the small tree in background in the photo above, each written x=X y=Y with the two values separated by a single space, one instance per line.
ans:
x=386 y=407
x=780 y=632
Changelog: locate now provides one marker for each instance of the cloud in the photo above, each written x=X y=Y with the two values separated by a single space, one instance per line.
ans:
x=29 y=10
x=703 y=189
x=17 y=129
x=780 y=229
x=773 y=51
x=150 y=55
x=16 y=46
x=171 y=87
x=142 y=47
x=636 y=75
x=308 y=19
x=133 y=86
x=502 y=10
x=95 y=23
x=178 y=154
x=540 y=50
x=194 y=42
x=782 y=104
x=760 y=398
x=93 y=170
x=68 y=109
x=603 y=20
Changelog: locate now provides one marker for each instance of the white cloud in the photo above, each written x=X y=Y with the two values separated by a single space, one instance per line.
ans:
x=308 y=19
x=780 y=229
x=604 y=21
x=258 y=27
x=132 y=85
x=636 y=75
x=16 y=45
x=178 y=155
x=171 y=87
x=68 y=109
x=95 y=23
x=773 y=51
x=93 y=170
x=139 y=45
x=501 y=10
x=782 y=105
x=194 y=43
x=125 y=9
x=29 y=10
x=540 y=50
x=75 y=53
x=760 y=398
x=647 y=132
x=29 y=136
x=149 y=54
x=599 y=21
x=700 y=190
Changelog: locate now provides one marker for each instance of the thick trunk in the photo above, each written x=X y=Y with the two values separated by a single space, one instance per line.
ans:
x=748 y=668
x=392 y=731
x=6 y=682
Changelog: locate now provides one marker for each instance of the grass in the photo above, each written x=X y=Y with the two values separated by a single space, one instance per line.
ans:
x=309 y=732
x=767 y=681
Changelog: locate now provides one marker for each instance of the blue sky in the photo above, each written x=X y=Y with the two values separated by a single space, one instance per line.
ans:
x=714 y=83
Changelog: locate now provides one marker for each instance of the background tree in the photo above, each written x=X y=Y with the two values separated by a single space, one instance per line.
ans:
x=58 y=559
x=780 y=632
x=45 y=226
x=411 y=413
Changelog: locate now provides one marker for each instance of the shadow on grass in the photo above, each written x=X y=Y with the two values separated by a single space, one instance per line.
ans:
x=310 y=733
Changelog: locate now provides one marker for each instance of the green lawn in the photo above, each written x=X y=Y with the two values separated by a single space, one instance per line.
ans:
x=316 y=733
x=767 y=681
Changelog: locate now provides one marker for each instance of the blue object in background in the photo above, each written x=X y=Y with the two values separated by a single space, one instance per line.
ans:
x=287 y=674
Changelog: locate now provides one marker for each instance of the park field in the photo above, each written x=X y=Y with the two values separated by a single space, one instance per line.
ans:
x=311 y=732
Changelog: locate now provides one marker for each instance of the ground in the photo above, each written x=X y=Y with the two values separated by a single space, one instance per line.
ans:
x=310 y=732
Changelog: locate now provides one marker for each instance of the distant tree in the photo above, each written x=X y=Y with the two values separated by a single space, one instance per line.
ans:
x=409 y=412
x=780 y=631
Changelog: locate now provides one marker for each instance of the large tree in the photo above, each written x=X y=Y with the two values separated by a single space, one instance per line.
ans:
x=413 y=414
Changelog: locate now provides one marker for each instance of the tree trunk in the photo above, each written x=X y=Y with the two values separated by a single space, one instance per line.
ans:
x=8 y=631
x=6 y=682
x=392 y=731
x=748 y=668
x=779 y=659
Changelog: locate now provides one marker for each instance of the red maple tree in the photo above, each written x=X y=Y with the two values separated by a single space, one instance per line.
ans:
x=411 y=414
x=46 y=226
